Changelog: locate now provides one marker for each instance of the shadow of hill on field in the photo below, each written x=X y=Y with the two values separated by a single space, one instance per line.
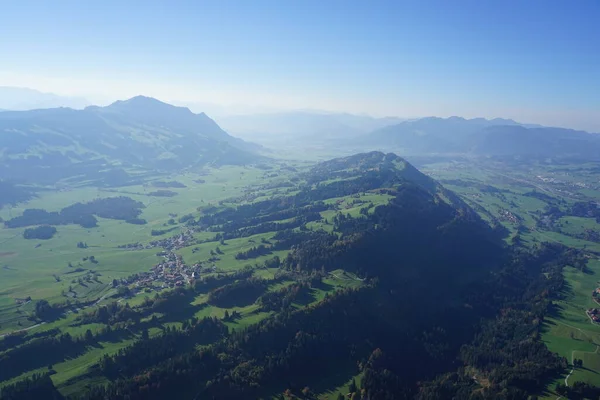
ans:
x=182 y=313
x=324 y=380
x=305 y=297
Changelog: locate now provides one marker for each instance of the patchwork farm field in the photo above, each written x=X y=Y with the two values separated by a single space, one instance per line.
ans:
x=29 y=267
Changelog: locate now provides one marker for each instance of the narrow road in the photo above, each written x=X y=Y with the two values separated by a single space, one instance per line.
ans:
x=572 y=369
x=22 y=330
x=101 y=298
x=568 y=376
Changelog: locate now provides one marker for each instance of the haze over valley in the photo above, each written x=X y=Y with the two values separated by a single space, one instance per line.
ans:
x=300 y=201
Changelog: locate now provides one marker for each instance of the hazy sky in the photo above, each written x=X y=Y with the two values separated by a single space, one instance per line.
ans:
x=535 y=61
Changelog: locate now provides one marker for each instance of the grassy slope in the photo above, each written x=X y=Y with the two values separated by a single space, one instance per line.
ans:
x=569 y=332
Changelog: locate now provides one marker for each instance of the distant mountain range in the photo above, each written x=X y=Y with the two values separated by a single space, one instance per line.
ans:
x=347 y=133
x=52 y=144
x=479 y=136
x=300 y=126
x=104 y=143
x=19 y=99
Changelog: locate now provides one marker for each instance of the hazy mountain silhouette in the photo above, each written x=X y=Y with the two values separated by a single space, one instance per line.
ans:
x=540 y=142
x=141 y=132
x=18 y=99
x=431 y=134
x=479 y=136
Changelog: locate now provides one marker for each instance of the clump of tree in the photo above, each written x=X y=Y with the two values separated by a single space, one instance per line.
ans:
x=37 y=386
x=168 y=184
x=124 y=291
x=210 y=282
x=45 y=311
x=17 y=338
x=163 y=193
x=110 y=314
x=228 y=317
x=578 y=391
x=585 y=209
x=48 y=350
x=282 y=298
x=185 y=218
x=239 y=293
x=136 y=221
x=253 y=252
x=273 y=262
x=171 y=301
x=143 y=353
x=43 y=232
x=159 y=232
x=84 y=214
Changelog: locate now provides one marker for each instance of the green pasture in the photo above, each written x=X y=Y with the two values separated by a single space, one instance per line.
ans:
x=577 y=225
x=568 y=331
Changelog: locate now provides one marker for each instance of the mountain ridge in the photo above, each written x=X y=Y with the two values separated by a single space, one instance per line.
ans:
x=21 y=99
x=483 y=137
x=141 y=131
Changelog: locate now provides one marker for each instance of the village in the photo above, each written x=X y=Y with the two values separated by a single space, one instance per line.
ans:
x=172 y=271
x=594 y=313
x=171 y=243
x=169 y=273
x=506 y=215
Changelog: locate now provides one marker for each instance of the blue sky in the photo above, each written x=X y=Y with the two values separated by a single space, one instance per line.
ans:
x=536 y=61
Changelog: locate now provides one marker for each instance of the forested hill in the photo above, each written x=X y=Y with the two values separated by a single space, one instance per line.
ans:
x=423 y=226
x=417 y=254
x=427 y=288
x=143 y=132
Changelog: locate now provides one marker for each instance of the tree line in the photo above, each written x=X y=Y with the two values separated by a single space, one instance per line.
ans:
x=84 y=214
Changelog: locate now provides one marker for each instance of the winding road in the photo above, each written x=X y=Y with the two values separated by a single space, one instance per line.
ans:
x=573 y=352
